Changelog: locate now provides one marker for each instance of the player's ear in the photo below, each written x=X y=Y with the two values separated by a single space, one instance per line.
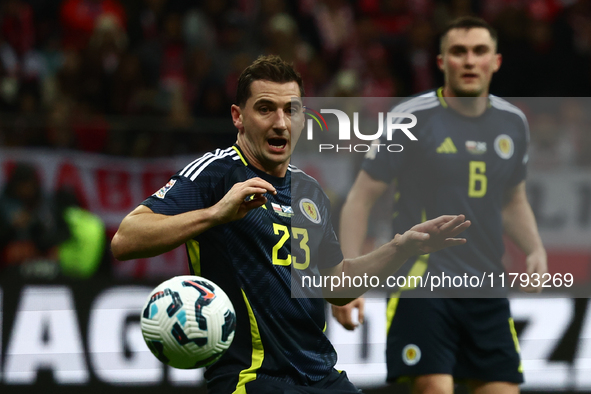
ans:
x=498 y=61
x=237 y=117
x=440 y=62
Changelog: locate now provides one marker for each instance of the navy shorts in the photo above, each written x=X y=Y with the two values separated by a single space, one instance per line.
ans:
x=471 y=339
x=335 y=383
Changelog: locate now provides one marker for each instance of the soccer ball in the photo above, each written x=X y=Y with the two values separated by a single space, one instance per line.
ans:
x=188 y=322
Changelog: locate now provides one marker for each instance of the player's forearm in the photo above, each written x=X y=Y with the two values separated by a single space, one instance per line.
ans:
x=379 y=263
x=353 y=228
x=147 y=234
x=382 y=262
x=519 y=223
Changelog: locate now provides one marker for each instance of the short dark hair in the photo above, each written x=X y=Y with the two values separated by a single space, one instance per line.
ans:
x=266 y=68
x=468 y=22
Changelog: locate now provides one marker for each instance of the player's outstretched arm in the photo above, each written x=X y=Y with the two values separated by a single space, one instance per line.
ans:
x=427 y=237
x=520 y=225
x=143 y=233
x=353 y=230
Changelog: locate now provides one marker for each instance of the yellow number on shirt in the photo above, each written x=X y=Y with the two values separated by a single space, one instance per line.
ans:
x=276 y=229
x=297 y=234
x=478 y=182
x=304 y=245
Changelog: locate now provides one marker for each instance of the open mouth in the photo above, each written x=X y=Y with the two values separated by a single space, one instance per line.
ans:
x=277 y=142
x=469 y=76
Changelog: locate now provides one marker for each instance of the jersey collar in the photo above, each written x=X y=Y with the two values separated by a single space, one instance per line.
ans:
x=274 y=180
x=444 y=104
x=441 y=98
x=240 y=154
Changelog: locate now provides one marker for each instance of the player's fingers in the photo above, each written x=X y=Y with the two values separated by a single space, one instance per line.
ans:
x=532 y=269
x=458 y=229
x=261 y=183
x=531 y=289
x=252 y=192
x=256 y=202
x=343 y=316
x=347 y=323
x=442 y=220
x=252 y=189
x=361 y=309
x=452 y=223
x=454 y=241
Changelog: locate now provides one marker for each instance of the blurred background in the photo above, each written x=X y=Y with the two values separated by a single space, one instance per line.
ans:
x=102 y=100
x=155 y=78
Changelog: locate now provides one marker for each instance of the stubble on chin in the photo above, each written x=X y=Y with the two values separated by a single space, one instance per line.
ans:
x=475 y=92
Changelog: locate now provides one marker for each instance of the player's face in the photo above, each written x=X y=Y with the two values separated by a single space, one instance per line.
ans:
x=265 y=125
x=468 y=60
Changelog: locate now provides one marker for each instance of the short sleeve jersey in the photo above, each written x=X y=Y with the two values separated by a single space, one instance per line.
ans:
x=457 y=165
x=253 y=260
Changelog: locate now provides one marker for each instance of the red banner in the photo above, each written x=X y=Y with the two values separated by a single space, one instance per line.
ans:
x=111 y=187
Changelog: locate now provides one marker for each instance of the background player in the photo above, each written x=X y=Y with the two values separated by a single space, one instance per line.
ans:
x=470 y=157
x=223 y=207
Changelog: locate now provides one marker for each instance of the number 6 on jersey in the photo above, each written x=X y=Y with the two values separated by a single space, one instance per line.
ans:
x=478 y=181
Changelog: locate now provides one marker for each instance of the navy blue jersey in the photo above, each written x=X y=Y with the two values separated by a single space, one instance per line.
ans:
x=252 y=259
x=458 y=165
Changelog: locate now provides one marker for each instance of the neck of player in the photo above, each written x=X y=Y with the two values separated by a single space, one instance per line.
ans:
x=277 y=169
x=467 y=106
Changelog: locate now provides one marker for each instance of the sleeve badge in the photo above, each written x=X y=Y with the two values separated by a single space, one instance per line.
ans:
x=162 y=192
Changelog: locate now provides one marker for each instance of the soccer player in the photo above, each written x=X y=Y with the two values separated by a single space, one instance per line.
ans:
x=470 y=156
x=234 y=210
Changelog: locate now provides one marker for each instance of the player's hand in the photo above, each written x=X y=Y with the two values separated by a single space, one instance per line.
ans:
x=433 y=235
x=344 y=314
x=537 y=263
x=241 y=198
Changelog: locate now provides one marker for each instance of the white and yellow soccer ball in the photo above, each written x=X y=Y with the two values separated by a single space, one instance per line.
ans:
x=188 y=322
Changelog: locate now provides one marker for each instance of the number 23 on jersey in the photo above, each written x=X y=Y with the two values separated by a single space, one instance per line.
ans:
x=297 y=233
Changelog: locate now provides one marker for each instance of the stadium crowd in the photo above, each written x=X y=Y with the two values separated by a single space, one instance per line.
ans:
x=155 y=77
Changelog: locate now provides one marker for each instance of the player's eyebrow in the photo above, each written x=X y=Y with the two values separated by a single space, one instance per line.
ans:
x=264 y=102
x=457 y=47
x=462 y=47
x=295 y=103
x=481 y=47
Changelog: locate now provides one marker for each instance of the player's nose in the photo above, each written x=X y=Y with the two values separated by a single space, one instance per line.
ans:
x=469 y=59
x=280 y=121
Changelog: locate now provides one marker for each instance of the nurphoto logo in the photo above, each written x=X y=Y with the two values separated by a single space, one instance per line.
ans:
x=394 y=121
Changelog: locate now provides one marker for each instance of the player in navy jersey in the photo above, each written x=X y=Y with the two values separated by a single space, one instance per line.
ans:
x=470 y=156
x=238 y=210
